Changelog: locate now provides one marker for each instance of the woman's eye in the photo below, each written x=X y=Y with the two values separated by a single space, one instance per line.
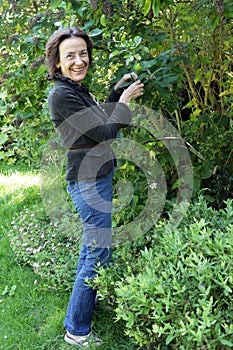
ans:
x=69 y=56
x=84 y=53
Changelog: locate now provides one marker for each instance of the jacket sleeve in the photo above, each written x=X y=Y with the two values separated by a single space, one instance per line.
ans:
x=75 y=121
x=114 y=96
x=110 y=103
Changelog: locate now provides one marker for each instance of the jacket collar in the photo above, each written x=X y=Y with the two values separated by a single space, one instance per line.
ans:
x=80 y=87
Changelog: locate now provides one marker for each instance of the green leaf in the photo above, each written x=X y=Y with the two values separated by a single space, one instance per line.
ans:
x=169 y=339
x=103 y=20
x=27 y=115
x=167 y=80
x=88 y=24
x=114 y=53
x=137 y=39
x=68 y=6
x=214 y=22
x=226 y=342
x=3 y=139
x=148 y=64
x=156 y=5
x=147 y=7
x=130 y=322
x=55 y=4
x=95 y=32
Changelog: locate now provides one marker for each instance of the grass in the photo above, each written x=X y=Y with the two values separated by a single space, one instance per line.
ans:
x=32 y=318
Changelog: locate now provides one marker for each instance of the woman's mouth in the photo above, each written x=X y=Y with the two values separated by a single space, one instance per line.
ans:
x=78 y=70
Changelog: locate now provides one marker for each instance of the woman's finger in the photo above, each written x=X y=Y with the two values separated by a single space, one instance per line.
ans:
x=134 y=75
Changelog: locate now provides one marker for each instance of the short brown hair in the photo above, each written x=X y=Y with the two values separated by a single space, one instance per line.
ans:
x=52 y=47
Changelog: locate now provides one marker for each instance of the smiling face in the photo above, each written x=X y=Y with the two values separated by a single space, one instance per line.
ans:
x=74 y=59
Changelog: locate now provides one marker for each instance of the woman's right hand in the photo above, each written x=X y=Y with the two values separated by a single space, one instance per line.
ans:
x=132 y=92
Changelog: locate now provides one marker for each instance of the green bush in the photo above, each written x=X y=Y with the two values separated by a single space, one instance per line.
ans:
x=176 y=291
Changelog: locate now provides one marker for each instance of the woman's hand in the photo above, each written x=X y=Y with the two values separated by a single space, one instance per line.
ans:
x=125 y=79
x=132 y=92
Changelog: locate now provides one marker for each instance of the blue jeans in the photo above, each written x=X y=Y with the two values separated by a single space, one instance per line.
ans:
x=93 y=200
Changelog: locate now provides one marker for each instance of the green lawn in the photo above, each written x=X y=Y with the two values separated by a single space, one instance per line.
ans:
x=32 y=318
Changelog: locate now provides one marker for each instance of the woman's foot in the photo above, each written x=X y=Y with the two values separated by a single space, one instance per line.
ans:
x=83 y=341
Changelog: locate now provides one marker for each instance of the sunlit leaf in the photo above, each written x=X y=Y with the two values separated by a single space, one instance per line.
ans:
x=114 y=53
x=103 y=20
x=3 y=139
x=156 y=5
x=95 y=32
x=147 y=7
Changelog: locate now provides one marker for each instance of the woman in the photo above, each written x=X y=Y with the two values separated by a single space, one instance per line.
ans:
x=87 y=130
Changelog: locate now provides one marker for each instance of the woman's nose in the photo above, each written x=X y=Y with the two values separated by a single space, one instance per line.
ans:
x=78 y=60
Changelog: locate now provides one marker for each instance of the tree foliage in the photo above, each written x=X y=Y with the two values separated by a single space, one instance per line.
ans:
x=181 y=49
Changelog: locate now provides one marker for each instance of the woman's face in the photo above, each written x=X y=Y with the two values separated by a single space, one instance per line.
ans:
x=74 y=59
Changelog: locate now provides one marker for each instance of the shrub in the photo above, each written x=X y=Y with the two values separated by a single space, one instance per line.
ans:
x=176 y=291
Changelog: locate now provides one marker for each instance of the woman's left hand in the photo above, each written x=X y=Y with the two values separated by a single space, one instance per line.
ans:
x=125 y=79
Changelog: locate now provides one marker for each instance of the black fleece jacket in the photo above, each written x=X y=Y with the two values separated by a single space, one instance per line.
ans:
x=87 y=129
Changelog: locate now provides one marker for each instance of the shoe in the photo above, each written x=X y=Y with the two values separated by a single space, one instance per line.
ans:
x=83 y=341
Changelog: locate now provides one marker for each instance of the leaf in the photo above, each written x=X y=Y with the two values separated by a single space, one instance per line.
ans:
x=3 y=139
x=103 y=20
x=95 y=32
x=137 y=39
x=226 y=342
x=198 y=76
x=167 y=80
x=169 y=339
x=148 y=64
x=55 y=4
x=114 y=53
x=147 y=7
x=214 y=22
x=130 y=322
x=68 y=6
x=156 y=5
x=88 y=24
x=125 y=85
x=27 y=115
